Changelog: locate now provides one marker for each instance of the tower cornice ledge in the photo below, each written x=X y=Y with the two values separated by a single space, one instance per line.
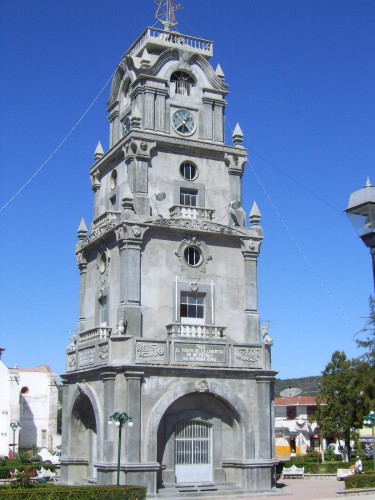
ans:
x=165 y=141
x=200 y=226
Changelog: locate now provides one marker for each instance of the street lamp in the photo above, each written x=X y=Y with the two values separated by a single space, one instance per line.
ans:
x=361 y=212
x=120 y=419
x=370 y=420
x=15 y=426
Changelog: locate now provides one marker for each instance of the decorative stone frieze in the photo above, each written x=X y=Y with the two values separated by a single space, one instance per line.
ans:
x=201 y=386
x=250 y=356
x=151 y=352
x=196 y=225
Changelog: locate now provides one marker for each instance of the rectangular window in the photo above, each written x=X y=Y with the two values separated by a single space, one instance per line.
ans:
x=188 y=197
x=291 y=412
x=192 y=306
x=310 y=410
x=103 y=301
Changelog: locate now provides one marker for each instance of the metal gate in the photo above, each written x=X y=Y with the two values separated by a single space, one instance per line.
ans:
x=193 y=451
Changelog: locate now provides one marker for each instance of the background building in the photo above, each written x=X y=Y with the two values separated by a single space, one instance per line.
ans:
x=169 y=329
x=28 y=397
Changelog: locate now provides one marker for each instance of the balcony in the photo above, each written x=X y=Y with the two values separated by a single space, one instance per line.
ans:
x=195 y=331
x=189 y=212
x=93 y=335
x=157 y=38
x=105 y=218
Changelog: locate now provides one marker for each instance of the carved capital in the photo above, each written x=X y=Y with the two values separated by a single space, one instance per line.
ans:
x=130 y=232
x=235 y=163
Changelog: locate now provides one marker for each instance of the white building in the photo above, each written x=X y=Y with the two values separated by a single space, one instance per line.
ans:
x=28 y=397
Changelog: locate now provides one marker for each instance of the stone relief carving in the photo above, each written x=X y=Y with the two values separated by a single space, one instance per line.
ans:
x=197 y=225
x=98 y=233
x=201 y=386
x=71 y=360
x=150 y=350
x=103 y=352
x=136 y=230
x=248 y=354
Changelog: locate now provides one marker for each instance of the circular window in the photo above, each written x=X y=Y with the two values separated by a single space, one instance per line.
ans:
x=114 y=179
x=102 y=262
x=188 y=170
x=192 y=256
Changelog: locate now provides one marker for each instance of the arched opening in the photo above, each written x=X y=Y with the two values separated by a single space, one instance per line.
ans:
x=182 y=83
x=84 y=431
x=196 y=435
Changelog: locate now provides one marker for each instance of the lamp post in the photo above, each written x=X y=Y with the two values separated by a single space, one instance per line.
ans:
x=361 y=212
x=120 y=419
x=15 y=426
x=370 y=420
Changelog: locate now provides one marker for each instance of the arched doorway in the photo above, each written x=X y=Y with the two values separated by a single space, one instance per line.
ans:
x=84 y=433
x=196 y=434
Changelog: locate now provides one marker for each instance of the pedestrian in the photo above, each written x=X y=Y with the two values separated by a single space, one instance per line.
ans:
x=358 y=465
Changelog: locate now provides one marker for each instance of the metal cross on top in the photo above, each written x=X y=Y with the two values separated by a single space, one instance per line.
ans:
x=165 y=13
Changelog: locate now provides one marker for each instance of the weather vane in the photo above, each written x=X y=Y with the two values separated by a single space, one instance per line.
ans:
x=165 y=13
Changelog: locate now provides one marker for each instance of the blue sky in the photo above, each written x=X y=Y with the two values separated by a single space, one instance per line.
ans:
x=302 y=87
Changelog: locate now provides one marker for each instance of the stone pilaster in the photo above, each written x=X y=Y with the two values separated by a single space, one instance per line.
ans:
x=250 y=252
x=82 y=266
x=133 y=404
x=107 y=452
x=218 y=128
x=265 y=417
x=130 y=239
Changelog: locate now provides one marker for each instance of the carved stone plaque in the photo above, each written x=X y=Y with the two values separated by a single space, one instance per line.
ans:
x=86 y=357
x=251 y=356
x=199 y=353
x=151 y=352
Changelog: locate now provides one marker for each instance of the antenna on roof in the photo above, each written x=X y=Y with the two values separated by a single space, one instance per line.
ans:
x=291 y=391
x=165 y=13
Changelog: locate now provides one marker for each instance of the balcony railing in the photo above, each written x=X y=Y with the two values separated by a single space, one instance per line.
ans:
x=186 y=212
x=94 y=334
x=196 y=331
x=170 y=38
x=104 y=218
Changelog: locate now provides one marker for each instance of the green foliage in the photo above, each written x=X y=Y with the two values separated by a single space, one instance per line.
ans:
x=329 y=455
x=337 y=399
x=52 y=492
x=364 y=480
x=8 y=466
x=368 y=332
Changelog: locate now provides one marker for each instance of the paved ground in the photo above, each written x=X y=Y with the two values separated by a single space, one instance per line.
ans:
x=307 y=489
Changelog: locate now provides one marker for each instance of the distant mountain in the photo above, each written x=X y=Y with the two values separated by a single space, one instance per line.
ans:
x=309 y=385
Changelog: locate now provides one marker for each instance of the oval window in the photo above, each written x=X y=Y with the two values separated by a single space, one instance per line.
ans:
x=188 y=170
x=102 y=262
x=192 y=256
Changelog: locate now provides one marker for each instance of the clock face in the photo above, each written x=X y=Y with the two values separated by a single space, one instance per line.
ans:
x=126 y=126
x=183 y=122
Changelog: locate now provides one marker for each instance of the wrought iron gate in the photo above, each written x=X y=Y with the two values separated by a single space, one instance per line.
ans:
x=193 y=451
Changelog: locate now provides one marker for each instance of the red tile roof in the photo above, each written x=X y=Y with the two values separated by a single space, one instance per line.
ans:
x=296 y=400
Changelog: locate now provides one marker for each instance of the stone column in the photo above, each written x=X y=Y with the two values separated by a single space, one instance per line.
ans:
x=82 y=266
x=95 y=185
x=218 y=121
x=206 y=125
x=250 y=252
x=107 y=452
x=130 y=239
x=149 y=108
x=160 y=111
x=133 y=436
x=265 y=416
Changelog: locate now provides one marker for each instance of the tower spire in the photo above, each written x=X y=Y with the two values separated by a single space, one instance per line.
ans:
x=165 y=13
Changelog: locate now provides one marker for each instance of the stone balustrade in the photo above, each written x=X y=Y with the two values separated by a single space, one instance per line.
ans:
x=94 y=334
x=185 y=212
x=196 y=331
x=170 y=38
x=105 y=218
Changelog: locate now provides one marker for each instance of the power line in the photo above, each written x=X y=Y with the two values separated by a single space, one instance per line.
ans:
x=24 y=186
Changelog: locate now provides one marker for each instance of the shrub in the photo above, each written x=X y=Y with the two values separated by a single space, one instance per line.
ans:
x=51 y=492
x=329 y=455
x=364 y=480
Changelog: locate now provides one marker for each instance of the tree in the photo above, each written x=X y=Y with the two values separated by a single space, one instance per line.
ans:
x=368 y=342
x=337 y=400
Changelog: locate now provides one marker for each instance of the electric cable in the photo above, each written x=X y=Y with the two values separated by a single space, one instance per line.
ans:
x=23 y=187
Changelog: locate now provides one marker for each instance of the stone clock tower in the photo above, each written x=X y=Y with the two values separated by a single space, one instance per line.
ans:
x=168 y=327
